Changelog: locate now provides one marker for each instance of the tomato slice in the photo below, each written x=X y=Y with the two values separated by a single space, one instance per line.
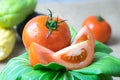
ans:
x=39 y=54
x=80 y=54
x=75 y=56
x=85 y=34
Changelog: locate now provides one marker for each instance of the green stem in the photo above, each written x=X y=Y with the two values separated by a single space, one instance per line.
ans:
x=51 y=24
x=50 y=14
x=99 y=18
x=50 y=31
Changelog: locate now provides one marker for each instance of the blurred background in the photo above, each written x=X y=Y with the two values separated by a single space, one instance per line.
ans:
x=61 y=1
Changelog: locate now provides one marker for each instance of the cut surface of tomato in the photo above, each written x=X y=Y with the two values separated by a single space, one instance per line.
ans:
x=84 y=34
x=75 y=58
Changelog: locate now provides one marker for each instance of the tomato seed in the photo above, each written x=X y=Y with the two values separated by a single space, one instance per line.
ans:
x=75 y=59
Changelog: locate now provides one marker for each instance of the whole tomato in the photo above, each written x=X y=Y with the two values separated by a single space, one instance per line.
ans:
x=48 y=31
x=100 y=28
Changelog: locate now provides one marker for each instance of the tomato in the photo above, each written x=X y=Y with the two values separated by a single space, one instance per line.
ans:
x=100 y=28
x=50 y=32
x=78 y=55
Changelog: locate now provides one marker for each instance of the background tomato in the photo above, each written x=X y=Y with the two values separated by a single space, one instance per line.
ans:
x=36 y=30
x=100 y=28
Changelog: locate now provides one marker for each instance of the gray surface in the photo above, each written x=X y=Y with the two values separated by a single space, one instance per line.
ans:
x=62 y=1
x=75 y=13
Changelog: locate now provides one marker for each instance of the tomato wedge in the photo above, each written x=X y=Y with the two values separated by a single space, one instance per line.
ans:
x=39 y=54
x=83 y=35
x=78 y=55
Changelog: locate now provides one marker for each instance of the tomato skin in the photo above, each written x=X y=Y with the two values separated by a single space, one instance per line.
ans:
x=21 y=26
x=36 y=31
x=100 y=28
x=39 y=54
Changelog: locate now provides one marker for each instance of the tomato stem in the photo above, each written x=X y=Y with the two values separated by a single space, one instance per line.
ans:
x=52 y=24
x=48 y=33
x=99 y=18
x=50 y=14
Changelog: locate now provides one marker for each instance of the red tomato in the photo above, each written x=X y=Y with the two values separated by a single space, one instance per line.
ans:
x=53 y=34
x=78 y=55
x=100 y=28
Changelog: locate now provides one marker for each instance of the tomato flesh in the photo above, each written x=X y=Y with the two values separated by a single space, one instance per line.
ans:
x=75 y=59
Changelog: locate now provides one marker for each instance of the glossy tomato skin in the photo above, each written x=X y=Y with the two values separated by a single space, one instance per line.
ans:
x=39 y=54
x=100 y=28
x=36 y=31
x=20 y=27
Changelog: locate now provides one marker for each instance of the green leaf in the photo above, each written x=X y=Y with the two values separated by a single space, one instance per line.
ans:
x=103 y=64
x=100 y=47
x=105 y=77
x=81 y=76
x=52 y=66
x=38 y=75
x=68 y=76
x=72 y=31
x=15 y=68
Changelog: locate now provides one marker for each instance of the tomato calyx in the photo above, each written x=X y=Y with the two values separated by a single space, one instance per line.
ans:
x=99 y=18
x=52 y=24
